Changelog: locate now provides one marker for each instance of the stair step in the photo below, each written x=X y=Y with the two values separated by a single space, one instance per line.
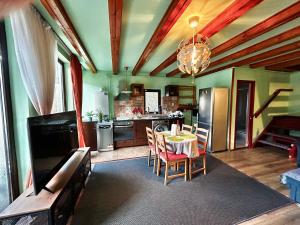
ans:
x=286 y=147
x=292 y=139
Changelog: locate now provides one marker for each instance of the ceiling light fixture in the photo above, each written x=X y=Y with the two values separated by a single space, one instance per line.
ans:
x=193 y=56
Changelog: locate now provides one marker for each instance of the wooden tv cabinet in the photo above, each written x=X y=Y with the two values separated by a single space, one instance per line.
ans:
x=52 y=208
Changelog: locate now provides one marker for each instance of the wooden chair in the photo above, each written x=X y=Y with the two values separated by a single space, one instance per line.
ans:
x=202 y=138
x=187 y=128
x=152 y=147
x=169 y=158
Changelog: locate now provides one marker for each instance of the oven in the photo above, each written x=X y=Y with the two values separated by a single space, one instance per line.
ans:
x=123 y=130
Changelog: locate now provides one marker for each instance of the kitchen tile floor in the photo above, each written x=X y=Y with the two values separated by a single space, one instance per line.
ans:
x=121 y=153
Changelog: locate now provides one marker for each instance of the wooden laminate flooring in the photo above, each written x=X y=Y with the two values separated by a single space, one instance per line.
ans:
x=263 y=164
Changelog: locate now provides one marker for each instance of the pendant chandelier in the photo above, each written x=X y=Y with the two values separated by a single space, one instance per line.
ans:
x=193 y=55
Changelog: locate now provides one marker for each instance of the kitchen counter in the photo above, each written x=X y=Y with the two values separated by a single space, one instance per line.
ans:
x=149 y=118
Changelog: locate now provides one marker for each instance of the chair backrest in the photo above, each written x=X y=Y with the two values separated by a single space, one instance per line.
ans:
x=150 y=137
x=161 y=144
x=187 y=128
x=202 y=136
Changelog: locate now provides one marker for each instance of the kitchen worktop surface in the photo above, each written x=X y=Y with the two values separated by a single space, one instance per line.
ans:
x=146 y=118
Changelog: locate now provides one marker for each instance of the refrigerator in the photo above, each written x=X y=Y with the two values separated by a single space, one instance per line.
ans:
x=213 y=115
x=101 y=101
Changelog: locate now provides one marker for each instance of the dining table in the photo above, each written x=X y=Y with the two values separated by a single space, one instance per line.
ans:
x=183 y=142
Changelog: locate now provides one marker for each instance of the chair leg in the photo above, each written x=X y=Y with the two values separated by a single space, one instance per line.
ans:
x=154 y=163
x=186 y=169
x=166 y=173
x=190 y=169
x=158 y=166
x=204 y=164
x=149 y=157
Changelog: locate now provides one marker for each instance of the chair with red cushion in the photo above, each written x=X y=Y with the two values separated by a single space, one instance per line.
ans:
x=152 y=148
x=169 y=158
x=202 y=137
x=187 y=128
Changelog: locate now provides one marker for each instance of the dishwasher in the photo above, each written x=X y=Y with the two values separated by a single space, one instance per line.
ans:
x=105 y=137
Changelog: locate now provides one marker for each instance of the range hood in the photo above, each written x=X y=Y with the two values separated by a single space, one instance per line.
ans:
x=125 y=94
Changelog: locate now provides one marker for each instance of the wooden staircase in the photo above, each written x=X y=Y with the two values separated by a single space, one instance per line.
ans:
x=279 y=134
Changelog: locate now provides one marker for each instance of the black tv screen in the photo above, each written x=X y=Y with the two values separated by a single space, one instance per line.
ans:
x=53 y=139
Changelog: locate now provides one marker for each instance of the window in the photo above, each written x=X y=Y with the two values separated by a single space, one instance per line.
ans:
x=59 y=90
x=9 y=187
x=152 y=101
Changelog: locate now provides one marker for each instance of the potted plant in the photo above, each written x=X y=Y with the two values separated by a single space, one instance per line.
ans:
x=89 y=115
x=99 y=115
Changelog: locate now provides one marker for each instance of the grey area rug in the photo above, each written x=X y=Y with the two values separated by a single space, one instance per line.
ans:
x=127 y=192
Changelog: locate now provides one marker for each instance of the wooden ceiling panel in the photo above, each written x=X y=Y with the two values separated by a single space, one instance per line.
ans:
x=231 y=13
x=115 y=21
x=285 y=36
x=282 y=17
x=265 y=55
x=172 y=14
x=59 y=14
x=286 y=64
x=173 y=73
x=275 y=60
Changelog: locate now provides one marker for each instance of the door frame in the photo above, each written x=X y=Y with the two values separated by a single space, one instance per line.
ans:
x=251 y=93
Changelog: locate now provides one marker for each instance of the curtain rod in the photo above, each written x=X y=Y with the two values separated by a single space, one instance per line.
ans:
x=60 y=41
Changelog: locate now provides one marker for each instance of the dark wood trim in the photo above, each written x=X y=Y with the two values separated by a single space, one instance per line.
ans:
x=171 y=16
x=226 y=17
x=271 y=98
x=230 y=106
x=276 y=60
x=285 y=36
x=11 y=149
x=282 y=17
x=57 y=11
x=185 y=75
x=115 y=20
x=173 y=73
x=251 y=93
x=258 y=57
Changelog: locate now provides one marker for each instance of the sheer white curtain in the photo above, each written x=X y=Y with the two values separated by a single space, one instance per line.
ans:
x=36 y=50
x=7 y=6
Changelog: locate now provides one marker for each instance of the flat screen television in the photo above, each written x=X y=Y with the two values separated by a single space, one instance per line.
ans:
x=52 y=139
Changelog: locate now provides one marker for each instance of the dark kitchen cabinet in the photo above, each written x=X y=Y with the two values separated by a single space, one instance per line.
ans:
x=140 y=131
x=90 y=134
x=172 y=90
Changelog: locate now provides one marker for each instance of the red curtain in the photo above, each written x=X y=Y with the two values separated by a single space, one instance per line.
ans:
x=76 y=73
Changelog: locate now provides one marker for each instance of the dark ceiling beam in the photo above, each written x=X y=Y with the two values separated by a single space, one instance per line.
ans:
x=286 y=64
x=268 y=54
x=59 y=14
x=282 y=17
x=171 y=16
x=285 y=36
x=115 y=22
x=173 y=73
x=231 y=13
x=275 y=60
x=185 y=75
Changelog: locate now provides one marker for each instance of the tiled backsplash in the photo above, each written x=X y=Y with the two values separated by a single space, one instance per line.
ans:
x=125 y=108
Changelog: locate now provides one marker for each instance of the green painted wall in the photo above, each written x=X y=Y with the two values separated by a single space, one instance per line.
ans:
x=115 y=83
x=22 y=108
x=294 y=100
x=266 y=82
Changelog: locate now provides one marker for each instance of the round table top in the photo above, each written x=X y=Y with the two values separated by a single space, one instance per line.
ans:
x=182 y=137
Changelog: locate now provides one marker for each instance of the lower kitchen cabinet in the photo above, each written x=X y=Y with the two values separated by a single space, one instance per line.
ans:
x=140 y=131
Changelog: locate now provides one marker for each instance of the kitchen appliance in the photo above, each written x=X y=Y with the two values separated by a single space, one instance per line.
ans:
x=123 y=130
x=160 y=125
x=105 y=136
x=213 y=113
x=101 y=102
x=52 y=140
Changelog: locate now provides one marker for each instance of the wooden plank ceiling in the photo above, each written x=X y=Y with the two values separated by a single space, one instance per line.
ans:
x=271 y=43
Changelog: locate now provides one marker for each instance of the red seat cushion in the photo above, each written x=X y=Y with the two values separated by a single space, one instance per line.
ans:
x=201 y=152
x=172 y=156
